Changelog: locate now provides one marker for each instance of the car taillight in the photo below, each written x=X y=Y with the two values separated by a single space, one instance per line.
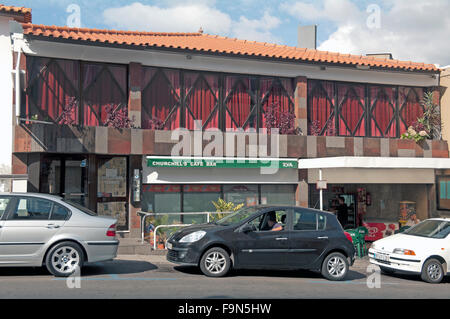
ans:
x=111 y=232
x=349 y=237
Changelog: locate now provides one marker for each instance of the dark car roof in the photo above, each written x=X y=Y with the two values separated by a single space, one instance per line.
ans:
x=287 y=206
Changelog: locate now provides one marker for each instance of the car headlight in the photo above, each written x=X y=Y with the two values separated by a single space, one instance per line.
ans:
x=193 y=237
x=402 y=251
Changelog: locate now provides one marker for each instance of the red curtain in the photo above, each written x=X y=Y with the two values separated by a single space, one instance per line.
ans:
x=202 y=95
x=239 y=103
x=410 y=106
x=102 y=85
x=160 y=97
x=351 y=99
x=321 y=118
x=382 y=102
x=276 y=92
x=51 y=85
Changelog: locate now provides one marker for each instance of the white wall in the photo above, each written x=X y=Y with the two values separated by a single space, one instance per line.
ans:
x=6 y=99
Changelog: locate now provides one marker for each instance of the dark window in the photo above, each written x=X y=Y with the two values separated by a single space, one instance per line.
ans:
x=410 y=106
x=304 y=220
x=104 y=86
x=321 y=108
x=383 y=118
x=240 y=102
x=321 y=222
x=161 y=102
x=443 y=192
x=201 y=100
x=32 y=209
x=59 y=212
x=4 y=202
x=51 y=86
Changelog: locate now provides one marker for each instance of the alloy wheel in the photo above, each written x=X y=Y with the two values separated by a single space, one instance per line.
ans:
x=336 y=266
x=65 y=259
x=434 y=271
x=215 y=262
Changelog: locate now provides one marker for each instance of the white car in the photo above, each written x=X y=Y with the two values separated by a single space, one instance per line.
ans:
x=422 y=249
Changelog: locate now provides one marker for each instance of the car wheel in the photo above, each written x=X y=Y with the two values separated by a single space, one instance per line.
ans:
x=432 y=271
x=386 y=271
x=335 y=267
x=215 y=262
x=64 y=259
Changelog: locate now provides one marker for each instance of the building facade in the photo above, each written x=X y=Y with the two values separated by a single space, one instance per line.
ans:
x=79 y=88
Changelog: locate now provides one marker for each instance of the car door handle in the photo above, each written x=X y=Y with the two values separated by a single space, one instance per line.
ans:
x=281 y=238
x=51 y=226
x=322 y=237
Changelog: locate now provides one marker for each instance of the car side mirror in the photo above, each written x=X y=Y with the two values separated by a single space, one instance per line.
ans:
x=247 y=228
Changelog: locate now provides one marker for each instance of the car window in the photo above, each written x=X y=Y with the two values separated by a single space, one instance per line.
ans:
x=321 y=222
x=430 y=228
x=59 y=212
x=32 y=209
x=305 y=220
x=4 y=201
x=280 y=217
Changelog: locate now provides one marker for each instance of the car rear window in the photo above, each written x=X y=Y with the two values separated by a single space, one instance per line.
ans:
x=80 y=207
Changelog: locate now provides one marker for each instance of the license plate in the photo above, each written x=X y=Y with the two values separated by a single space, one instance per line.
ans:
x=381 y=257
x=169 y=246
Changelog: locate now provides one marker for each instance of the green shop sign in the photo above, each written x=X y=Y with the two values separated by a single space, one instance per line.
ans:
x=221 y=163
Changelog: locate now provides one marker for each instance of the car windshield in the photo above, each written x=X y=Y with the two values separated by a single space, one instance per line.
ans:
x=238 y=216
x=430 y=229
x=80 y=207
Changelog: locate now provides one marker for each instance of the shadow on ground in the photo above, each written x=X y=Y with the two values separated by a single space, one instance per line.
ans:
x=352 y=275
x=116 y=267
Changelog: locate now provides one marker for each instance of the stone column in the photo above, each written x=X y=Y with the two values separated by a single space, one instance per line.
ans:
x=135 y=93
x=301 y=96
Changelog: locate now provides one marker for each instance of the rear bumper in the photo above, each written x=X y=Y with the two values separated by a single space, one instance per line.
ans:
x=397 y=262
x=101 y=250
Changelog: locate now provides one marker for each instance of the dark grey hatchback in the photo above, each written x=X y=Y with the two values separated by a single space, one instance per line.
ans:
x=305 y=239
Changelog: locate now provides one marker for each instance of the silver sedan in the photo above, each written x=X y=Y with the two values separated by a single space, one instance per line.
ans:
x=45 y=230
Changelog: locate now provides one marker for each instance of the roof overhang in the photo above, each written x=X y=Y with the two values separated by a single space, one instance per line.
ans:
x=375 y=162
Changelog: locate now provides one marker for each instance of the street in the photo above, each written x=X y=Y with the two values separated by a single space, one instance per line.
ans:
x=137 y=277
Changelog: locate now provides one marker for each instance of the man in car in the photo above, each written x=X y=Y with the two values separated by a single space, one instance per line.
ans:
x=272 y=222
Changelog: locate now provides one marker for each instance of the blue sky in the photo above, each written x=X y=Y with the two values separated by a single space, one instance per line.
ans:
x=415 y=30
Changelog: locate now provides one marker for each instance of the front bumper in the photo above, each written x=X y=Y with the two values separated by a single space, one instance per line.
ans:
x=411 y=264
x=184 y=254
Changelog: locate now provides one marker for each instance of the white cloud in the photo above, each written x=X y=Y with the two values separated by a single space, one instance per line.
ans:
x=189 y=16
x=410 y=30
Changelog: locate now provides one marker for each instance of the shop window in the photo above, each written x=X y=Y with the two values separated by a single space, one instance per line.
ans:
x=443 y=192
x=240 y=103
x=383 y=119
x=161 y=104
x=161 y=198
x=410 y=106
x=199 y=198
x=276 y=92
x=51 y=85
x=241 y=194
x=103 y=86
x=321 y=104
x=278 y=194
x=201 y=100
x=351 y=109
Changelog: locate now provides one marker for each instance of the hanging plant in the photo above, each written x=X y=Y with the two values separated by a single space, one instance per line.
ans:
x=68 y=111
x=284 y=121
x=117 y=117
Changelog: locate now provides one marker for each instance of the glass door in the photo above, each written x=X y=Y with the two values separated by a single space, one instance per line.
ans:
x=112 y=186
x=65 y=176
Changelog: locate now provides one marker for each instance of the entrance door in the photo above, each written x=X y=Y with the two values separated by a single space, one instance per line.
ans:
x=112 y=186
x=66 y=176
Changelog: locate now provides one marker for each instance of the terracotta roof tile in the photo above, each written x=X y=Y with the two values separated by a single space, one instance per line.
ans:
x=202 y=42
x=25 y=12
